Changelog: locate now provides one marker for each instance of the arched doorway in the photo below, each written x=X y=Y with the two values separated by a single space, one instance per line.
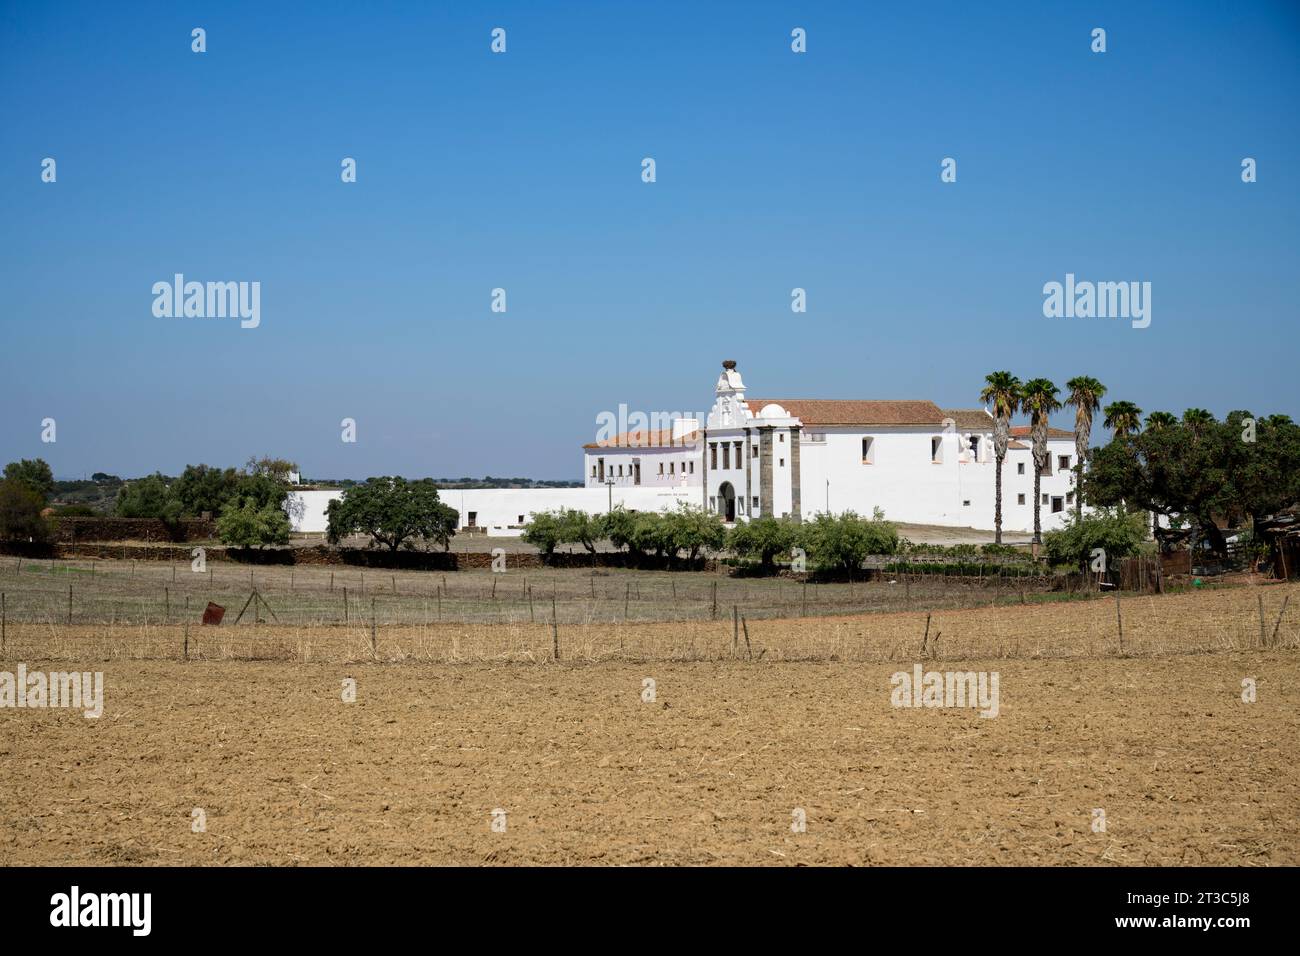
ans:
x=727 y=502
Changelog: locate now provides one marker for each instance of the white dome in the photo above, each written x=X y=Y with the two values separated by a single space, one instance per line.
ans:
x=773 y=410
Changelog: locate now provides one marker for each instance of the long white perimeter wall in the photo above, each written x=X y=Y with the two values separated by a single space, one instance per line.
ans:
x=498 y=509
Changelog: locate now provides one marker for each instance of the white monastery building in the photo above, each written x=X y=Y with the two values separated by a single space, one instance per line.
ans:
x=752 y=457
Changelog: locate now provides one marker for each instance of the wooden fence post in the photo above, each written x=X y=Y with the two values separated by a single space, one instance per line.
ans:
x=1119 y=621
x=373 y=652
x=555 y=630
x=69 y=602
x=345 y=604
x=735 y=629
x=715 y=601
x=186 y=650
x=531 y=619
x=1261 y=619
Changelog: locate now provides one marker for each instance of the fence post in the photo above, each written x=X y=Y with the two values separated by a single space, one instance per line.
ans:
x=1119 y=620
x=69 y=601
x=555 y=630
x=4 y=625
x=167 y=605
x=626 y=596
x=186 y=651
x=373 y=652
x=531 y=619
x=440 y=603
x=715 y=600
x=345 y=604
x=735 y=629
x=804 y=613
x=1261 y=619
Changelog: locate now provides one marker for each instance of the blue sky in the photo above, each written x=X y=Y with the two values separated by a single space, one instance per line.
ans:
x=522 y=171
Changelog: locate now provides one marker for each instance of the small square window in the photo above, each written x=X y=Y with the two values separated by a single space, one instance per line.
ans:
x=1020 y=468
x=966 y=503
x=755 y=500
x=782 y=463
x=1020 y=499
x=1063 y=462
x=1045 y=498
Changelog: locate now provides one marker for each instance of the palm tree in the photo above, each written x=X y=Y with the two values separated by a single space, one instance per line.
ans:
x=1123 y=418
x=1159 y=420
x=1002 y=391
x=1085 y=396
x=1198 y=420
x=1039 y=399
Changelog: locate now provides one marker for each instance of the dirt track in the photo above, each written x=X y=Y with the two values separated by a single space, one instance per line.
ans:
x=711 y=772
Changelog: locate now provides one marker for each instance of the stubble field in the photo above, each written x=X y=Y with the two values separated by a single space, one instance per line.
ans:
x=453 y=723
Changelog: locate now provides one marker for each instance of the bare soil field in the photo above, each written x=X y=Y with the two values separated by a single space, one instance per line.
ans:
x=714 y=769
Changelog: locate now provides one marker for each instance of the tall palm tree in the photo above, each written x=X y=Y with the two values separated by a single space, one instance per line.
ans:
x=1198 y=420
x=1085 y=395
x=1039 y=399
x=1123 y=418
x=1159 y=420
x=1002 y=391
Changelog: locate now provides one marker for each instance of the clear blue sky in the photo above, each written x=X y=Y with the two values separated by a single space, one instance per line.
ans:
x=522 y=170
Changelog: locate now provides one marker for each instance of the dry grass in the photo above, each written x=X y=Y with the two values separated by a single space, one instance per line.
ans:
x=1153 y=626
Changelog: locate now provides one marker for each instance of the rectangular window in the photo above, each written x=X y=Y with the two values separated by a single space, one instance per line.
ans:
x=1020 y=468
x=754 y=452
x=1069 y=497
x=1020 y=499
x=974 y=441
x=473 y=519
x=521 y=519
x=600 y=463
x=739 y=459
x=1063 y=462
x=726 y=455
x=661 y=467
x=755 y=501
x=671 y=466
x=1045 y=498
x=782 y=463
x=692 y=468
x=713 y=454
x=620 y=471
x=781 y=436
x=1058 y=504
x=868 y=450
x=936 y=450
x=593 y=471
x=966 y=504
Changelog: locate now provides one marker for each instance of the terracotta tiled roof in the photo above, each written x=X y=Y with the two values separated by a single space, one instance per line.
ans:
x=970 y=419
x=1022 y=431
x=659 y=438
x=1018 y=445
x=833 y=411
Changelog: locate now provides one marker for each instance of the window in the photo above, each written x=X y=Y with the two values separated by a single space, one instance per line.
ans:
x=713 y=503
x=1047 y=465
x=671 y=466
x=754 y=453
x=966 y=503
x=713 y=454
x=600 y=463
x=1063 y=462
x=781 y=436
x=692 y=468
x=620 y=471
x=661 y=467
x=1045 y=498
x=521 y=520
x=1069 y=497
x=936 y=450
x=755 y=501
x=593 y=471
x=726 y=455
x=1020 y=468
x=974 y=442
x=473 y=519
x=868 y=450
x=1058 y=504
x=1020 y=499
x=738 y=458
x=782 y=463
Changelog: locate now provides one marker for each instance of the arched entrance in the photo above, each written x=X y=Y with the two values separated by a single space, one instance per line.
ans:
x=727 y=502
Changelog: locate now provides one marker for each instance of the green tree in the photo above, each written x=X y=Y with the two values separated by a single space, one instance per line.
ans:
x=693 y=529
x=578 y=527
x=393 y=512
x=619 y=526
x=20 y=512
x=1085 y=395
x=1117 y=532
x=203 y=488
x=842 y=542
x=246 y=524
x=544 y=531
x=1122 y=418
x=763 y=538
x=275 y=468
x=1002 y=391
x=36 y=474
x=1039 y=400
x=147 y=497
